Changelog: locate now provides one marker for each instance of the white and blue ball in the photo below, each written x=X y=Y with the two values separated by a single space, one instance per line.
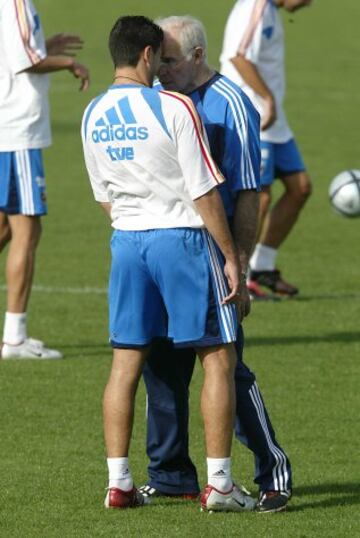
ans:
x=344 y=193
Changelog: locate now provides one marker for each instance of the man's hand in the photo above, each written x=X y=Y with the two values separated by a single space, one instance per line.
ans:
x=81 y=72
x=268 y=113
x=293 y=5
x=64 y=44
x=232 y=274
x=243 y=303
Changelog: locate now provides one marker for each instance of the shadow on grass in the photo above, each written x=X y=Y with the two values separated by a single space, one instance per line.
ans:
x=343 y=337
x=343 y=494
x=83 y=351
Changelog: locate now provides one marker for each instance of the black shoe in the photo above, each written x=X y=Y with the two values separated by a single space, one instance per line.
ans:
x=272 y=501
x=149 y=492
x=274 y=281
x=257 y=293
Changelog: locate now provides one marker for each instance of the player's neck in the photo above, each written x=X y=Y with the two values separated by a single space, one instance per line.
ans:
x=204 y=75
x=129 y=76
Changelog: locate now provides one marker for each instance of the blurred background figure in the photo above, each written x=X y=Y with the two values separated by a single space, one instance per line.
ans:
x=253 y=57
x=25 y=60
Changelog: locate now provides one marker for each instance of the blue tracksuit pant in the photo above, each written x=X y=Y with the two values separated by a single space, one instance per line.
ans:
x=167 y=374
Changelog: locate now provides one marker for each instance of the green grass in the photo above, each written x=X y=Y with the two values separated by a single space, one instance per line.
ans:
x=305 y=352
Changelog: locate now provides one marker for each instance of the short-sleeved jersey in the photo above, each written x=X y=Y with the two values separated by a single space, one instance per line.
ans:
x=24 y=109
x=146 y=153
x=254 y=30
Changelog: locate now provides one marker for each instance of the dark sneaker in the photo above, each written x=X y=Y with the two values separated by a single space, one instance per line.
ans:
x=272 y=501
x=148 y=492
x=117 y=498
x=257 y=293
x=274 y=281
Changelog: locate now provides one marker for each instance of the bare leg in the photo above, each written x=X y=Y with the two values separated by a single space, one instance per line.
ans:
x=286 y=210
x=119 y=400
x=218 y=398
x=5 y=231
x=264 y=206
x=25 y=235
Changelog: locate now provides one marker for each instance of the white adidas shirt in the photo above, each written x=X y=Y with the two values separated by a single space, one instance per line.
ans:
x=254 y=29
x=24 y=109
x=146 y=154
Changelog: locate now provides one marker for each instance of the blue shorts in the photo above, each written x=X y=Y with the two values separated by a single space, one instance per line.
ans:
x=168 y=283
x=279 y=160
x=22 y=183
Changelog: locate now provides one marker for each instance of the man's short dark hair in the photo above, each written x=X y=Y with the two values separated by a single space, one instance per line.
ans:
x=129 y=36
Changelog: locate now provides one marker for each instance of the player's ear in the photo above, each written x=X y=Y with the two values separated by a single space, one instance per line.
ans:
x=148 y=54
x=199 y=54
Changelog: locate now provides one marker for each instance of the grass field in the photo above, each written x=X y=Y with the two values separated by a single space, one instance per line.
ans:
x=305 y=352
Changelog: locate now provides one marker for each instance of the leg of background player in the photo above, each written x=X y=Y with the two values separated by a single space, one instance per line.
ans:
x=286 y=210
x=25 y=235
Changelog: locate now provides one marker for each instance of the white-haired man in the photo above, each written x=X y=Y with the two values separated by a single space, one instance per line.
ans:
x=232 y=126
x=253 y=57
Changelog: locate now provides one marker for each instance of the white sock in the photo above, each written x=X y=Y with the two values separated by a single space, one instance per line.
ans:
x=119 y=474
x=15 y=330
x=263 y=258
x=219 y=473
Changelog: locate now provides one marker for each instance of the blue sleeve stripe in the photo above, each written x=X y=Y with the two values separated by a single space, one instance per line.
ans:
x=90 y=108
x=152 y=98
x=241 y=122
x=254 y=175
x=248 y=175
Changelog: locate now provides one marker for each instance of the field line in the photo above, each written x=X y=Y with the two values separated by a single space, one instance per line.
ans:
x=86 y=290
x=92 y=290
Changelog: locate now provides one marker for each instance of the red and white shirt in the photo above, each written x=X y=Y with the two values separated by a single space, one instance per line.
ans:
x=254 y=30
x=24 y=109
x=147 y=154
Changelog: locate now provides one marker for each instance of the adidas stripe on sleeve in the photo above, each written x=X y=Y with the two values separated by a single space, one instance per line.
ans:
x=193 y=149
x=22 y=35
x=241 y=152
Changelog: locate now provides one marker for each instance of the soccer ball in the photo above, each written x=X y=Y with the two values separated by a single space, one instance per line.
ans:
x=344 y=193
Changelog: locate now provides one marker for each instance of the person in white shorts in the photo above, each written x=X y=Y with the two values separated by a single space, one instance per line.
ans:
x=175 y=273
x=25 y=60
x=253 y=57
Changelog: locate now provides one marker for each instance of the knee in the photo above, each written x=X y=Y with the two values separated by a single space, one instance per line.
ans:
x=25 y=234
x=32 y=238
x=36 y=235
x=305 y=190
x=264 y=200
x=300 y=190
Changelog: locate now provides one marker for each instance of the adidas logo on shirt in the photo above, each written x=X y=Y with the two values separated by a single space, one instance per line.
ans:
x=117 y=125
x=108 y=133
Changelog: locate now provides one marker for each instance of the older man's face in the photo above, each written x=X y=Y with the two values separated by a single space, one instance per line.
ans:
x=176 y=71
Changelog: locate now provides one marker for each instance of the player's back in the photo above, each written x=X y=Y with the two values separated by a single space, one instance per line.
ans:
x=144 y=150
